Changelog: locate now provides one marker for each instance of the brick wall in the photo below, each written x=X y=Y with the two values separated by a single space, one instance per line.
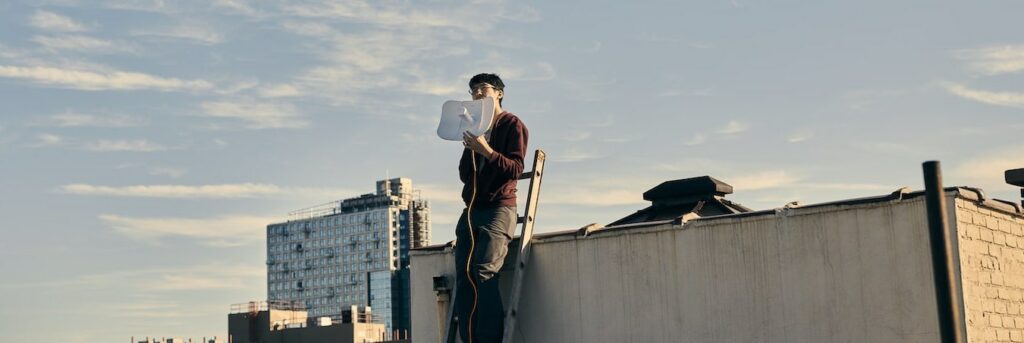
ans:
x=992 y=264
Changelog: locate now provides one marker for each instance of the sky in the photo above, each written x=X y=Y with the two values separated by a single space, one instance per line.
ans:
x=146 y=144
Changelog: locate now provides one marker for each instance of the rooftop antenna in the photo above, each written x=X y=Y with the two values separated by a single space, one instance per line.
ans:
x=457 y=117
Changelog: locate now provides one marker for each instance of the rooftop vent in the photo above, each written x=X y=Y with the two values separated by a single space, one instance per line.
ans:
x=1016 y=177
x=703 y=196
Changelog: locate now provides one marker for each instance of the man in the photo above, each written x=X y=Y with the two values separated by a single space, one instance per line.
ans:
x=482 y=240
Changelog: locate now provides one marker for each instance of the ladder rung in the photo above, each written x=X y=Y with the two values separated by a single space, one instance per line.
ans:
x=520 y=219
x=527 y=175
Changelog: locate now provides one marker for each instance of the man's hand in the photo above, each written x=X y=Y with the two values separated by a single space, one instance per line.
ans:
x=478 y=145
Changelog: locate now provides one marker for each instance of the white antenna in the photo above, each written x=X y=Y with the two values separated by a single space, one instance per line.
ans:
x=457 y=117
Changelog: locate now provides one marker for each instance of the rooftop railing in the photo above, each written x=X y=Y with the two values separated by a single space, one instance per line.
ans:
x=257 y=306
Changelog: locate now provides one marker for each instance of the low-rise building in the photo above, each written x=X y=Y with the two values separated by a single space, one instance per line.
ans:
x=272 y=322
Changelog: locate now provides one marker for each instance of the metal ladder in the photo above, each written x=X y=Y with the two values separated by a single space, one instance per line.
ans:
x=535 y=176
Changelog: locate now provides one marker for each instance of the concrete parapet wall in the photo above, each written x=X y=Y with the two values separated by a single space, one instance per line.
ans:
x=855 y=272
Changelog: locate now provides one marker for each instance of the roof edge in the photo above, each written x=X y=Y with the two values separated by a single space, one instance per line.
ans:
x=973 y=194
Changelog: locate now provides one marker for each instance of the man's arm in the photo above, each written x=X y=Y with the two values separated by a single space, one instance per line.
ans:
x=508 y=159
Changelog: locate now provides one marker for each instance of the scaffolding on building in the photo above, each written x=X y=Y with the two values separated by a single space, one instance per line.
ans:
x=322 y=210
x=257 y=306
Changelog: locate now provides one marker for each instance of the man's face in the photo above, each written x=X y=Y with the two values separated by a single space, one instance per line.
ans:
x=481 y=90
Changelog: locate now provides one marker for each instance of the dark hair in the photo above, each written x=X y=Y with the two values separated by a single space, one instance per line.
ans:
x=491 y=79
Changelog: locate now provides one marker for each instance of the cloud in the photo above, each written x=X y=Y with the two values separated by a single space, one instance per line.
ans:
x=140 y=145
x=55 y=22
x=398 y=46
x=431 y=86
x=741 y=181
x=378 y=51
x=232 y=230
x=77 y=42
x=193 y=282
x=319 y=194
x=173 y=173
x=152 y=6
x=734 y=127
x=190 y=32
x=240 y=7
x=93 y=81
x=593 y=196
x=889 y=148
x=987 y=170
x=576 y=136
x=845 y=186
x=73 y=119
x=152 y=310
x=308 y=28
x=995 y=60
x=211 y=276
x=157 y=171
x=798 y=137
x=46 y=139
x=241 y=190
x=1009 y=99
x=402 y=15
x=694 y=165
x=574 y=154
x=257 y=115
x=539 y=71
x=762 y=180
x=279 y=91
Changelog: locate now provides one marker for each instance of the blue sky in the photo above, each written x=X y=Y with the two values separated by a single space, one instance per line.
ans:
x=146 y=144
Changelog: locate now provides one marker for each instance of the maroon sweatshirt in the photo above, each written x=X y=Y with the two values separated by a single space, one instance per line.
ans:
x=496 y=180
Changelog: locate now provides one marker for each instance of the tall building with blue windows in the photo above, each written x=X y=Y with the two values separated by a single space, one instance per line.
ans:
x=350 y=252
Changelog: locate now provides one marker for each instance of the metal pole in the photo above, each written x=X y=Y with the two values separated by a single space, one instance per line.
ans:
x=947 y=298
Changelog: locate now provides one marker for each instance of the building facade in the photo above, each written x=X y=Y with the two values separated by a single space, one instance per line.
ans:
x=350 y=252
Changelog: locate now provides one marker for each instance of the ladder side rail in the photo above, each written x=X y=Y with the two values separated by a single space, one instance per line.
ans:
x=524 y=244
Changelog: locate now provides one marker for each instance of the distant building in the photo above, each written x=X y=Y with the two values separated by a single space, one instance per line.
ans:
x=695 y=267
x=350 y=252
x=275 y=321
x=177 y=340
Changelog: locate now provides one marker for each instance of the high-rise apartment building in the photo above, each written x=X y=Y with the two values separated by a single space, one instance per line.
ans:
x=350 y=252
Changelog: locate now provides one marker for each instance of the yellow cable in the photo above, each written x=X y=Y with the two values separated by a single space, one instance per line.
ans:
x=472 y=246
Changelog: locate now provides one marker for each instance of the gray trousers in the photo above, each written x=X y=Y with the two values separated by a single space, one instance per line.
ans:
x=492 y=230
